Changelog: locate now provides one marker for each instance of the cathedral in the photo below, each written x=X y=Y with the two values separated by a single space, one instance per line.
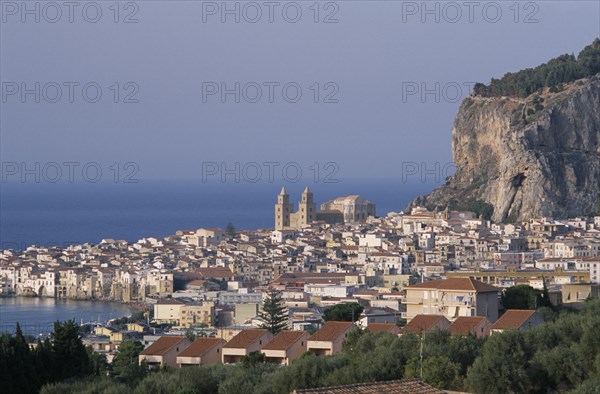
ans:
x=350 y=209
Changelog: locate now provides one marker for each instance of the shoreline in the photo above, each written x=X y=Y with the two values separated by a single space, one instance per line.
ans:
x=136 y=305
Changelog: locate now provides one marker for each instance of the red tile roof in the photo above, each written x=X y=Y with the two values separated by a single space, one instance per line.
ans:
x=465 y=325
x=422 y=323
x=245 y=338
x=162 y=345
x=285 y=339
x=215 y=272
x=200 y=346
x=512 y=319
x=464 y=284
x=331 y=330
x=410 y=386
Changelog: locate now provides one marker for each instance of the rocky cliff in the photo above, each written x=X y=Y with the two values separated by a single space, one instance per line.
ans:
x=526 y=157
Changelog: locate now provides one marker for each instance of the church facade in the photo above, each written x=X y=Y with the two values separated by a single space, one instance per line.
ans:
x=350 y=209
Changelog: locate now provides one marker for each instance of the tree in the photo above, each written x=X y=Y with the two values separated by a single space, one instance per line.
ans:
x=438 y=371
x=17 y=368
x=98 y=362
x=191 y=335
x=253 y=359
x=125 y=364
x=69 y=352
x=274 y=314
x=523 y=297
x=230 y=229
x=343 y=312
x=401 y=322
x=502 y=366
x=563 y=69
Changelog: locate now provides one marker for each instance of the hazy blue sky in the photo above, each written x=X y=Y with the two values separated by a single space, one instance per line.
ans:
x=177 y=49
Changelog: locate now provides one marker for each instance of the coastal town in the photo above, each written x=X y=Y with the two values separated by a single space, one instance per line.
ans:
x=409 y=272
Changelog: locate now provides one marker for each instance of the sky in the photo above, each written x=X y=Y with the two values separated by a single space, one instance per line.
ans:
x=205 y=90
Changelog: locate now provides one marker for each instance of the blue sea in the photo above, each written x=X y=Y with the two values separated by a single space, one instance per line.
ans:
x=67 y=213
x=37 y=315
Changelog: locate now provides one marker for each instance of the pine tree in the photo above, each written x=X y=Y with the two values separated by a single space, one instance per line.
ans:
x=125 y=365
x=69 y=352
x=230 y=229
x=274 y=314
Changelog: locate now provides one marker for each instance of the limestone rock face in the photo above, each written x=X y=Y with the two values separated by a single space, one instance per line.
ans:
x=532 y=157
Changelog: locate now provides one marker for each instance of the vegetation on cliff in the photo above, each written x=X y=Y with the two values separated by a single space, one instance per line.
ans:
x=536 y=156
x=553 y=74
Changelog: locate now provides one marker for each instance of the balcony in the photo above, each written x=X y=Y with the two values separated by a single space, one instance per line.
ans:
x=457 y=303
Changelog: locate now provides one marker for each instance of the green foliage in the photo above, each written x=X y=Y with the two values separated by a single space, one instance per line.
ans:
x=556 y=356
x=230 y=229
x=343 y=312
x=553 y=74
x=17 y=363
x=185 y=380
x=512 y=218
x=502 y=367
x=524 y=297
x=191 y=335
x=306 y=372
x=125 y=365
x=254 y=379
x=481 y=208
x=253 y=359
x=352 y=340
x=438 y=371
x=98 y=386
x=70 y=356
x=401 y=322
x=547 y=313
x=562 y=355
x=98 y=362
x=274 y=314
x=60 y=357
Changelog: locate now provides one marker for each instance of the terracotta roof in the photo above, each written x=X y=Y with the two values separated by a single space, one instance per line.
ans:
x=244 y=338
x=410 y=386
x=215 y=272
x=464 y=325
x=162 y=345
x=284 y=340
x=422 y=323
x=200 y=346
x=465 y=284
x=512 y=319
x=331 y=330
x=383 y=327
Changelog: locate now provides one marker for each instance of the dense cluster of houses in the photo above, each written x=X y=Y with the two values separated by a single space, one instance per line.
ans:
x=179 y=351
x=445 y=264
